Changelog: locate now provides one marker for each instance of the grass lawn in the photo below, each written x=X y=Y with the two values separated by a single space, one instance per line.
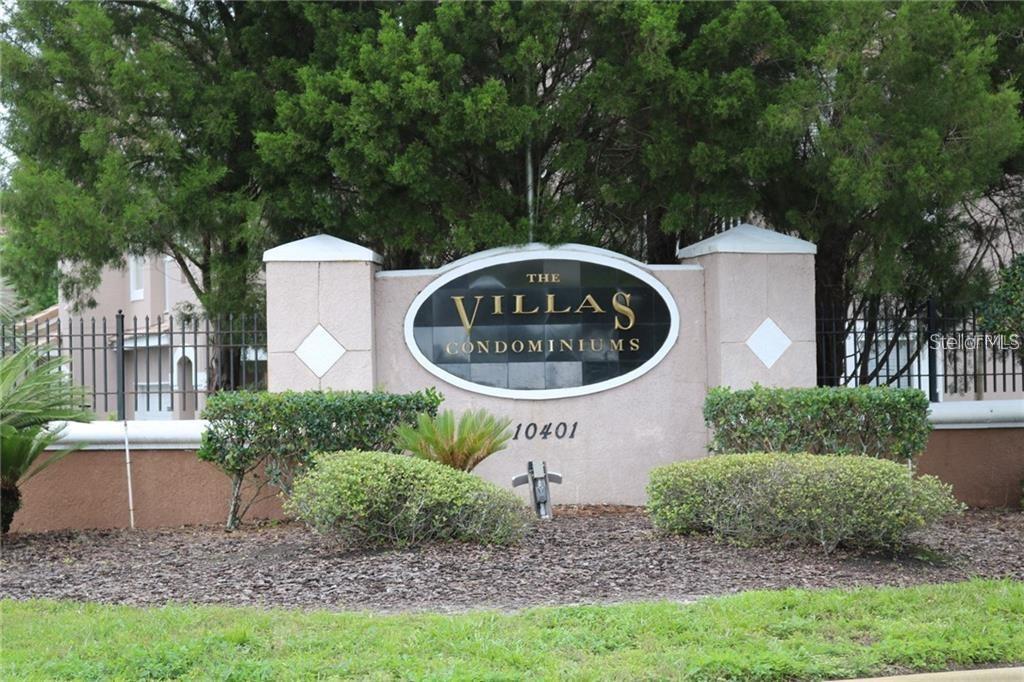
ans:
x=790 y=634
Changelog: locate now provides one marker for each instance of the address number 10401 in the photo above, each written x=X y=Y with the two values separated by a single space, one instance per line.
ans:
x=531 y=430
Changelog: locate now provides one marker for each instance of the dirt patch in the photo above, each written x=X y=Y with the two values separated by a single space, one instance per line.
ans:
x=584 y=555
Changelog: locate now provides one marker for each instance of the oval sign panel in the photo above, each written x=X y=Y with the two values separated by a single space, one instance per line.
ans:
x=542 y=324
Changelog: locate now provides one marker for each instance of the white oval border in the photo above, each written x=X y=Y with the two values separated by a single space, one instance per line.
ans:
x=616 y=262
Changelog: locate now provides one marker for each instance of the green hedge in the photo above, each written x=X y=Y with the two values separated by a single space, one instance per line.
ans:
x=891 y=423
x=379 y=498
x=855 y=502
x=280 y=431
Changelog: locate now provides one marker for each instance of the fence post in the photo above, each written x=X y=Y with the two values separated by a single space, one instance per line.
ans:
x=933 y=370
x=119 y=363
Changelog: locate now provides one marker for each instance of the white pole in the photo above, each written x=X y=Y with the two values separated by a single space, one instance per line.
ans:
x=128 y=468
x=529 y=170
x=529 y=187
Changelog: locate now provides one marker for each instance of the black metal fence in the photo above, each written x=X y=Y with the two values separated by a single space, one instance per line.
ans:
x=150 y=367
x=943 y=352
x=164 y=368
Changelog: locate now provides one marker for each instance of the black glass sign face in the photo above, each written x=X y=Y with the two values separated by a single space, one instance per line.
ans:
x=544 y=325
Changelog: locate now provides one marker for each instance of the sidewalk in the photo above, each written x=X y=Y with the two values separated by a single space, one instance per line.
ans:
x=987 y=675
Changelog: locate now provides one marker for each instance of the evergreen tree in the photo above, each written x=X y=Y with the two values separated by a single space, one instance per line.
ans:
x=211 y=131
x=133 y=125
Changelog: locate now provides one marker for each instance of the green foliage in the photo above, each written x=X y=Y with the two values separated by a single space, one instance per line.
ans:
x=133 y=127
x=37 y=292
x=794 y=498
x=993 y=22
x=461 y=445
x=384 y=499
x=768 y=636
x=281 y=431
x=19 y=450
x=34 y=392
x=890 y=423
x=631 y=116
x=210 y=131
x=1004 y=311
x=888 y=125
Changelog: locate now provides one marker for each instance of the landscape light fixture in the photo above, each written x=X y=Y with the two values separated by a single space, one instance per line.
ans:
x=539 y=479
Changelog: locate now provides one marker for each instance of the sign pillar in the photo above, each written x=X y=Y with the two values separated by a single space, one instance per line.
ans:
x=320 y=309
x=759 y=307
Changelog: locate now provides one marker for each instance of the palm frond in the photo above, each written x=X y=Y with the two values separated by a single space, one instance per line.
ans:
x=20 y=448
x=34 y=390
x=460 y=444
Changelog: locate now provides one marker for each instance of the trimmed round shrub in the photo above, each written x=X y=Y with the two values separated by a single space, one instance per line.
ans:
x=826 y=500
x=384 y=499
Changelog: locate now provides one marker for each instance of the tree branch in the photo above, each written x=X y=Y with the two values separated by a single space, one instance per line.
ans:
x=183 y=265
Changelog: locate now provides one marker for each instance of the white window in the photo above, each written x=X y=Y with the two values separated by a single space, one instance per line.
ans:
x=135 y=281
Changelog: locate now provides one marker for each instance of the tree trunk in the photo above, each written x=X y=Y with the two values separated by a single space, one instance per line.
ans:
x=10 y=502
x=661 y=246
x=832 y=302
x=236 y=499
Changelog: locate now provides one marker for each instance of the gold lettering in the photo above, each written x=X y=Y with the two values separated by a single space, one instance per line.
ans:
x=589 y=302
x=460 y=306
x=497 y=305
x=543 y=277
x=467 y=347
x=519 y=306
x=581 y=342
x=534 y=345
x=565 y=344
x=634 y=344
x=624 y=309
x=596 y=345
x=500 y=346
x=451 y=348
x=483 y=346
x=551 y=306
x=617 y=344
x=516 y=349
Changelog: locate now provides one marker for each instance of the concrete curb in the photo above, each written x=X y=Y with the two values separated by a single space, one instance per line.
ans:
x=986 y=675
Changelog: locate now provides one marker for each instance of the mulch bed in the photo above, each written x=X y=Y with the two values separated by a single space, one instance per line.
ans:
x=584 y=555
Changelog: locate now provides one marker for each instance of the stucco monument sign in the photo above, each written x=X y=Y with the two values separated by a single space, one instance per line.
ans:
x=602 y=362
x=541 y=325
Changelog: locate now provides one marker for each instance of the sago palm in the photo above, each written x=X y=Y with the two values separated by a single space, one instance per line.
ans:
x=35 y=397
x=34 y=390
x=19 y=450
x=460 y=444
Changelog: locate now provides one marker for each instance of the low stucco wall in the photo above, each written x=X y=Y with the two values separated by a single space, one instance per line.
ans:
x=89 y=489
x=985 y=466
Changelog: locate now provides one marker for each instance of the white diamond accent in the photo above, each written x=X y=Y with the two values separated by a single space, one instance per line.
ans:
x=768 y=342
x=319 y=351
